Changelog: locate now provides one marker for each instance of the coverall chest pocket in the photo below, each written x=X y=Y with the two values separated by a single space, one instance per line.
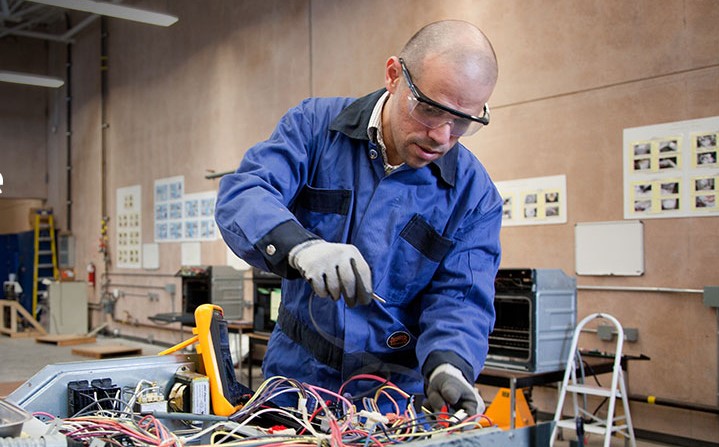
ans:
x=324 y=211
x=415 y=256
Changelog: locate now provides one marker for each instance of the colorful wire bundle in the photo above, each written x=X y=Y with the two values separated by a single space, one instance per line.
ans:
x=348 y=427
x=143 y=431
x=323 y=417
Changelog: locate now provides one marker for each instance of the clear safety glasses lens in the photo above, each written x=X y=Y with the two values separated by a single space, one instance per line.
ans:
x=433 y=117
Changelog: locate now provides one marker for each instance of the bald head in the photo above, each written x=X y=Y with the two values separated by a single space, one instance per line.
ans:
x=456 y=43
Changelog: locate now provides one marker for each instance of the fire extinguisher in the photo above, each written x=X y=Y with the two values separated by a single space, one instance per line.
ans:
x=91 y=274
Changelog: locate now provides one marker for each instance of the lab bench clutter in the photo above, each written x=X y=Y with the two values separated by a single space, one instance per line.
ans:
x=62 y=310
x=189 y=398
x=215 y=284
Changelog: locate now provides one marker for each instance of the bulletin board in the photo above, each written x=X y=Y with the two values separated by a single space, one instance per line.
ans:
x=672 y=170
x=609 y=248
x=183 y=217
x=129 y=227
x=534 y=201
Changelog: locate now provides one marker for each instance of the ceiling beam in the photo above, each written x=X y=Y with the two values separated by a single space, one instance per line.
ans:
x=18 y=28
x=18 y=14
x=35 y=35
x=79 y=27
x=113 y=10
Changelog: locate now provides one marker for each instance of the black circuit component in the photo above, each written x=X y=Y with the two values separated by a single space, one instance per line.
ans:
x=93 y=395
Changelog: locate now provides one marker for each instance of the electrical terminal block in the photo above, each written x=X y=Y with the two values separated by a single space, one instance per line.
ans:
x=159 y=406
x=279 y=430
x=458 y=416
x=147 y=398
x=82 y=394
x=372 y=418
x=248 y=431
x=325 y=425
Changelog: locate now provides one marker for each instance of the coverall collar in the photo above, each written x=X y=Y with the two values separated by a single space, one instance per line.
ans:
x=353 y=122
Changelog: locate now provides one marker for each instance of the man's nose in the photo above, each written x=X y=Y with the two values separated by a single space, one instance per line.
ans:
x=441 y=134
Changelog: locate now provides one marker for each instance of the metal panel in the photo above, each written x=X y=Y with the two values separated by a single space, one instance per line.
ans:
x=227 y=290
x=533 y=436
x=47 y=390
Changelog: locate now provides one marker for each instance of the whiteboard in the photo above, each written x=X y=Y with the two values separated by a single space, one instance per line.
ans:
x=609 y=248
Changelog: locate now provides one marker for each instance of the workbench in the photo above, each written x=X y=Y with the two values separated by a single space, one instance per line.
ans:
x=239 y=327
x=256 y=339
x=514 y=379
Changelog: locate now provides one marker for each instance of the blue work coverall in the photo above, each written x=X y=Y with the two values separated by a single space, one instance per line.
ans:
x=430 y=236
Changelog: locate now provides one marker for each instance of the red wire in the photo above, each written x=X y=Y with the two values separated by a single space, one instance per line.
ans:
x=312 y=416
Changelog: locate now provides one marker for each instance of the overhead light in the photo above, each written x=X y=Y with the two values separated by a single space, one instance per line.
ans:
x=30 y=79
x=113 y=10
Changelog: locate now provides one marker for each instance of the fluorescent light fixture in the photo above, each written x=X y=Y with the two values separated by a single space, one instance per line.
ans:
x=113 y=10
x=30 y=79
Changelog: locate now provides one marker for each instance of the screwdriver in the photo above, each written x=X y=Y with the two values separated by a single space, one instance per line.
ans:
x=360 y=286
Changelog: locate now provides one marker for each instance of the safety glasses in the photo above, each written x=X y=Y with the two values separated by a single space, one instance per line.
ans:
x=432 y=114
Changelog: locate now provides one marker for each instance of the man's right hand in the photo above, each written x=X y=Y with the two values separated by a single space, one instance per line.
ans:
x=334 y=269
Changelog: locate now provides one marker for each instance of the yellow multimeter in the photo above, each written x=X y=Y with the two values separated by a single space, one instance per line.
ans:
x=211 y=333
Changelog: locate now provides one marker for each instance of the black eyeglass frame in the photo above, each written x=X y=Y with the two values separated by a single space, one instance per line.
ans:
x=421 y=97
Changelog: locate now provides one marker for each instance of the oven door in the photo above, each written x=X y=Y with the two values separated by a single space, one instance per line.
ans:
x=510 y=343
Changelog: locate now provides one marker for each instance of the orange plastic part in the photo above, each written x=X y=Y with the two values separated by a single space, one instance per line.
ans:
x=499 y=410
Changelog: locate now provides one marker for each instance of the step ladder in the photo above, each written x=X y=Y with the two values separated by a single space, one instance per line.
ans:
x=45 y=255
x=622 y=424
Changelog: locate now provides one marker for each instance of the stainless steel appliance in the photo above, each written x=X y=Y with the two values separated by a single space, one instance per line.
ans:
x=536 y=315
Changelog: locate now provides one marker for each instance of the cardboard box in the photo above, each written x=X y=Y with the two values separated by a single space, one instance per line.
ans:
x=67 y=274
x=36 y=210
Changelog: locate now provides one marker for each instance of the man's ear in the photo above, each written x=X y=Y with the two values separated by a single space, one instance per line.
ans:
x=392 y=74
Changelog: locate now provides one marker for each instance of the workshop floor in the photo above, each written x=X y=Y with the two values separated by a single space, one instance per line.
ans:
x=21 y=358
x=597 y=441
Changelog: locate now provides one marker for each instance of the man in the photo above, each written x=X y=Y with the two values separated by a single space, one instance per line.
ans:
x=374 y=203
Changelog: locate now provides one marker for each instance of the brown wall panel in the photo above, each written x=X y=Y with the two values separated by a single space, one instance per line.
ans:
x=23 y=114
x=194 y=101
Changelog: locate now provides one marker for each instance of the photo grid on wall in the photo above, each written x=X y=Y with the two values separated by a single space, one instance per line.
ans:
x=181 y=217
x=128 y=227
x=671 y=170
x=534 y=201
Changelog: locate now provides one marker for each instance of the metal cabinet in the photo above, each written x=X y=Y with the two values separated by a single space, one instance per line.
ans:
x=67 y=302
x=266 y=295
x=216 y=284
x=227 y=291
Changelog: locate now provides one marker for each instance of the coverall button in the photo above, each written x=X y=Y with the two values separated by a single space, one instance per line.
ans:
x=373 y=153
x=270 y=249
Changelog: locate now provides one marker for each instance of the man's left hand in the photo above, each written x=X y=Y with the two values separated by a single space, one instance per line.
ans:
x=447 y=385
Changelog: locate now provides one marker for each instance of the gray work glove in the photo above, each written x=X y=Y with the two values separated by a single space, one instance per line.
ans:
x=447 y=385
x=334 y=269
